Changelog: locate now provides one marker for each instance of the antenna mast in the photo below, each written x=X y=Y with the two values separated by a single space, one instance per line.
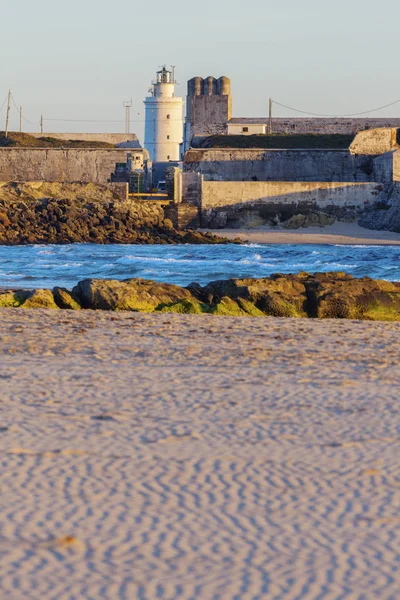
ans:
x=128 y=107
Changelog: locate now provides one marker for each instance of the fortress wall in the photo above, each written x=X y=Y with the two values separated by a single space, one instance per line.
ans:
x=321 y=194
x=224 y=203
x=232 y=164
x=396 y=166
x=58 y=164
x=282 y=125
x=128 y=139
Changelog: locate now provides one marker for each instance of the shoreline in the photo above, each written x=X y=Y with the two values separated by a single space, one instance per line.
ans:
x=337 y=234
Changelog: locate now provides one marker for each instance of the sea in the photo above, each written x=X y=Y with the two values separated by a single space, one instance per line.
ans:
x=47 y=266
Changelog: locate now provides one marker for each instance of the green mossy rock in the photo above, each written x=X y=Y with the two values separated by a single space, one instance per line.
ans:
x=40 y=299
x=186 y=307
x=137 y=295
x=13 y=299
x=65 y=299
x=322 y=295
x=249 y=308
x=228 y=307
x=278 y=295
x=340 y=296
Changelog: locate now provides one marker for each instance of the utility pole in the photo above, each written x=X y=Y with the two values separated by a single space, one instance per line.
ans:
x=20 y=119
x=128 y=107
x=8 y=111
x=270 y=116
x=41 y=123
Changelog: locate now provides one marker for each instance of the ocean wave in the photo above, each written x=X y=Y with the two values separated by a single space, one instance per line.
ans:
x=60 y=265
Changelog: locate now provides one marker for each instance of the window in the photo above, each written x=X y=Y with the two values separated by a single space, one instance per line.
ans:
x=167 y=137
x=245 y=129
x=168 y=157
x=168 y=116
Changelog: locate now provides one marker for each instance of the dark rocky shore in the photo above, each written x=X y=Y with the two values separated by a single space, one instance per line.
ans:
x=66 y=221
x=54 y=213
x=323 y=295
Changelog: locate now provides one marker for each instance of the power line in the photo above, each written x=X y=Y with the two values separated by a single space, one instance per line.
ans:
x=18 y=109
x=366 y=112
x=3 y=105
x=100 y=120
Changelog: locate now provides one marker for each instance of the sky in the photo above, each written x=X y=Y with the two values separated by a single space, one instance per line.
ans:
x=80 y=59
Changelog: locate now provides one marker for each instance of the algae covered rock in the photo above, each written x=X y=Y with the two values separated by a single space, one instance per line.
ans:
x=340 y=296
x=322 y=295
x=66 y=299
x=9 y=299
x=131 y=294
x=278 y=295
x=186 y=307
x=40 y=299
x=228 y=307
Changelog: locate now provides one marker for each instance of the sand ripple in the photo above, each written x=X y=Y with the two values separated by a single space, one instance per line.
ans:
x=165 y=456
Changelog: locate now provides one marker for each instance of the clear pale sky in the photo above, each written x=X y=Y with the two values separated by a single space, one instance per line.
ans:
x=79 y=59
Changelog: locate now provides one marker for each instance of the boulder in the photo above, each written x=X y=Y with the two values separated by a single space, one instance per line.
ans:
x=66 y=299
x=312 y=219
x=40 y=299
x=131 y=294
x=11 y=298
x=228 y=307
x=340 y=296
x=278 y=295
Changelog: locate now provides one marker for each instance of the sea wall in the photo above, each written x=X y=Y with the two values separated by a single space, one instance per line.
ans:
x=60 y=164
x=231 y=204
x=254 y=164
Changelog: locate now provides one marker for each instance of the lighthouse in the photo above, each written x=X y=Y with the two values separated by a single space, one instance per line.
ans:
x=164 y=119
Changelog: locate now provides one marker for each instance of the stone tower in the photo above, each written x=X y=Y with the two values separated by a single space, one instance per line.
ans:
x=208 y=107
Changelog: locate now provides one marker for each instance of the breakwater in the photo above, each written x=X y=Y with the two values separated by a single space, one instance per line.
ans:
x=53 y=213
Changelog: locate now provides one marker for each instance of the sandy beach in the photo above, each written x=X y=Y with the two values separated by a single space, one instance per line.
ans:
x=339 y=233
x=172 y=456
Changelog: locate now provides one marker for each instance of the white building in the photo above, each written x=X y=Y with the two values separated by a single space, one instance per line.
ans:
x=237 y=126
x=164 y=119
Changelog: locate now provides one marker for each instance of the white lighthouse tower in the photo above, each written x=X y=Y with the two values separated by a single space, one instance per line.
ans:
x=164 y=119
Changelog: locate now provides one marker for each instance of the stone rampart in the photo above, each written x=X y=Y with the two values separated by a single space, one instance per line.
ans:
x=282 y=125
x=228 y=203
x=254 y=164
x=376 y=141
x=60 y=164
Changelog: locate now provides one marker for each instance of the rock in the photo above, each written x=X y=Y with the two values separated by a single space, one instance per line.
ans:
x=40 y=299
x=65 y=299
x=131 y=294
x=322 y=295
x=279 y=295
x=167 y=224
x=12 y=298
x=312 y=219
x=228 y=307
x=26 y=217
x=339 y=296
x=192 y=307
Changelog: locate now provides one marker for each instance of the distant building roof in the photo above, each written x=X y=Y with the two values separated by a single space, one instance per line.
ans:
x=263 y=120
x=248 y=121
